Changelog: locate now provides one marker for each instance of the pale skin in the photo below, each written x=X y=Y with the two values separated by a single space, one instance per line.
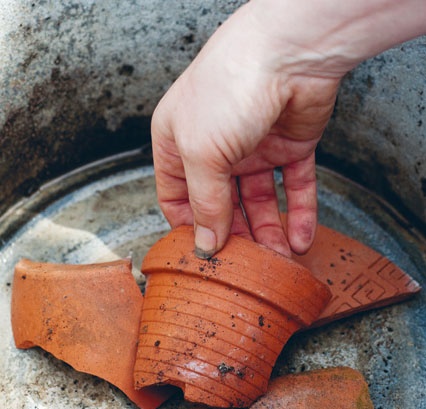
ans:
x=258 y=97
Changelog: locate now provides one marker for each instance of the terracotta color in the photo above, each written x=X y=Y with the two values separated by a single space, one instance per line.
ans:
x=48 y=301
x=87 y=316
x=342 y=388
x=215 y=328
x=359 y=278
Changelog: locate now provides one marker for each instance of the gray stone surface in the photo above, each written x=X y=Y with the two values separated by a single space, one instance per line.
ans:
x=378 y=131
x=118 y=215
x=79 y=80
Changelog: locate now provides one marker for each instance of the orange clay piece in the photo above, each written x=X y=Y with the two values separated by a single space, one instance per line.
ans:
x=85 y=315
x=216 y=327
x=359 y=278
x=342 y=388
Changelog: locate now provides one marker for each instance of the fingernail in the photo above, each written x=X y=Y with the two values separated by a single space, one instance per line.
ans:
x=205 y=242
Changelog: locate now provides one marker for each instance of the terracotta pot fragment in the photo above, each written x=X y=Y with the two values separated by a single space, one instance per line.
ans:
x=337 y=388
x=216 y=327
x=85 y=315
x=358 y=277
x=47 y=302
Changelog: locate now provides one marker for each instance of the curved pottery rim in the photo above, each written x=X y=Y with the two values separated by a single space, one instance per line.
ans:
x=300 y=295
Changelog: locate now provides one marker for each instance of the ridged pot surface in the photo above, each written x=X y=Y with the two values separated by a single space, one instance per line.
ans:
x=216 y=327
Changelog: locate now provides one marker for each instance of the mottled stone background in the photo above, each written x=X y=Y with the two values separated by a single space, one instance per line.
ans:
x=79 y=81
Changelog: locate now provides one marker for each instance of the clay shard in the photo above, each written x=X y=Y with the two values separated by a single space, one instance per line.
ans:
x=216 y=327
x=48 y=297
x=85 y=315
x=358 y=277
x=342 y=388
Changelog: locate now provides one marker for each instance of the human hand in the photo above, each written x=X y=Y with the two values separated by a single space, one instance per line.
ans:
x=227 y=122
x=250 y=102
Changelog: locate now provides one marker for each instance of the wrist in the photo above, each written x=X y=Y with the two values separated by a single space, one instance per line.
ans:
x=329 y=37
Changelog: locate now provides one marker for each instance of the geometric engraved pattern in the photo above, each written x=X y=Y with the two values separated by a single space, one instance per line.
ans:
x=358 y=277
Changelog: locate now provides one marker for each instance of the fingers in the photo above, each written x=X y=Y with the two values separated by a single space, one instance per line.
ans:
x=172 y=190
x=260 y=204
x=196 y=189
x=210 y=197
x=190 y=192
x=193 y=196
x=172 y=196
x=239 y=226
x=300 y=188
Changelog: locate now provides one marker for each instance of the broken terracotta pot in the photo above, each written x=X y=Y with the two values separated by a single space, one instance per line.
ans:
x=47 y=311
x=85 y=315
x=342 y=388
x=358 y=277
x=216 y=327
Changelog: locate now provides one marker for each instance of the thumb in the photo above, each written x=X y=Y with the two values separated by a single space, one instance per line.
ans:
x=209 y=193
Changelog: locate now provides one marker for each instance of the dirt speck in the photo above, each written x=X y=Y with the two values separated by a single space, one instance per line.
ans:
x=224 y=368
x=160 y=376
x=241 y=372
